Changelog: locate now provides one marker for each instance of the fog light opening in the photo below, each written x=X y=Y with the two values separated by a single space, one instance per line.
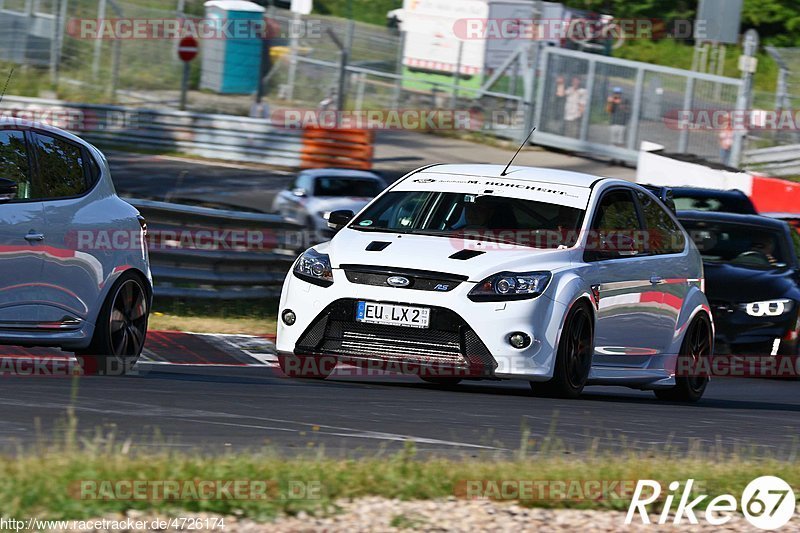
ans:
x=519 y=340
x=289 y=317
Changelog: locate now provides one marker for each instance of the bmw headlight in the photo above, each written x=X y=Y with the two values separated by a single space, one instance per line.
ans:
x=768 y=308
x=510 y=286
x=314 y=267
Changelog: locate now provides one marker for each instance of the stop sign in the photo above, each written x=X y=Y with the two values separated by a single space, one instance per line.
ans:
x=187 y=48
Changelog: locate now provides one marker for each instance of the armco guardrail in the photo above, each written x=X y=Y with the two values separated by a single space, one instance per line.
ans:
x=214 y=136
x=199 y=252
x=775 y=161
x=229 y=137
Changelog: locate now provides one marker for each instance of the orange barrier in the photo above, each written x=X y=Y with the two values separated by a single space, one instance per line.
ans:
x=341 y=148
x=775 y=195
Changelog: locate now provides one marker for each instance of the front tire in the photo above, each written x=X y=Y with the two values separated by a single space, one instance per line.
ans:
x=120 y=330
x=574 y=357
x=696 y=344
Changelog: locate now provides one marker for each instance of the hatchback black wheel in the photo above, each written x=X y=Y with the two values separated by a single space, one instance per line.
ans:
x=696 y=346
x=120 y=331
x=574 y=358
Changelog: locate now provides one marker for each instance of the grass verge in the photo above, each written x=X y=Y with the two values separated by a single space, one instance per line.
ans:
x=245 y=317
x=46 y=482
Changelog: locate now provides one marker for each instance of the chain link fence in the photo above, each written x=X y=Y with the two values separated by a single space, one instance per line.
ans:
x=531 y=87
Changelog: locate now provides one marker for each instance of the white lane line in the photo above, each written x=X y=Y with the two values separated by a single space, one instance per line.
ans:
x=361 y=435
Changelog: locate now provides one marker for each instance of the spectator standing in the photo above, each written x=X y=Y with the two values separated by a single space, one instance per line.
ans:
x=619 y=111
x=575 y=107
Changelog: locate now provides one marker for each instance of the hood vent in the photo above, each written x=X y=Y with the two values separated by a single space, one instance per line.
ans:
x=377 y=246
x=463 y=255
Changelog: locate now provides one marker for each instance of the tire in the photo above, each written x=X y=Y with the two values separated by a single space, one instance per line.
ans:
x=791 y=347
x=120 y=330
x=306 y=367
x=442 y=382
x=574 y=356
x=696 y=344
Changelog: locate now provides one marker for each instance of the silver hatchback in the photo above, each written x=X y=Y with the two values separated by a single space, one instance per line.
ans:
x=74 y=268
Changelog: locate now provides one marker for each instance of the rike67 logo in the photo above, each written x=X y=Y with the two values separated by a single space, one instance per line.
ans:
x=767 y=502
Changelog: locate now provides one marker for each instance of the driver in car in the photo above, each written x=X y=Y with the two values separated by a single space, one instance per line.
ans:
x=764 y=245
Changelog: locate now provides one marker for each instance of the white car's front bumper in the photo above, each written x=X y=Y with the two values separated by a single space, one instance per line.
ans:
x=452 y=314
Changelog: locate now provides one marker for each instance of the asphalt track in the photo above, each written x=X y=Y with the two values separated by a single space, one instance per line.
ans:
x=220 y=393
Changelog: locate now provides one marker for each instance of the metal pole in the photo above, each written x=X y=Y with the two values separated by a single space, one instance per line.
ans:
x=636 y=110
x=398 y=87
x=751 y=41
x=116 y=51
x=185 y=84
x=688 y=99
x=54 y=52
x=295 y=23
x=457 y=78
x=98 y=43
x=589 y=92
x=343 y=58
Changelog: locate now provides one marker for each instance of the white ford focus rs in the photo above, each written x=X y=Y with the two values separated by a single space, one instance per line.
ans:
x=469 y=272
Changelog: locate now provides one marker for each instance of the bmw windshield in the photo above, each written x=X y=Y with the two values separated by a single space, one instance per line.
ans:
x=738 y=244
x=485 y=217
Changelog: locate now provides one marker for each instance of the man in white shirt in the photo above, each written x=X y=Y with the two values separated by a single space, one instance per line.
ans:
x=574 y=107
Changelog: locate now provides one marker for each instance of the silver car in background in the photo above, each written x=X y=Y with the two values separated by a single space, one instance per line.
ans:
x=316 y=193
x=74 y=267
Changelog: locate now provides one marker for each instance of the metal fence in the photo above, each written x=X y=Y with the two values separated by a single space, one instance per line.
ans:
x=205 y=135
x=573 y=112
x=198 y=252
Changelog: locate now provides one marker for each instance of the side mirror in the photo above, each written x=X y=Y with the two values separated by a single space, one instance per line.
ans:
x=299 y=192
x=8 y=189
x=339 y=219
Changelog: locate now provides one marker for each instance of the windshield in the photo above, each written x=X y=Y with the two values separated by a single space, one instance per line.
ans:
x=512 y=220
x=738 y=244
x=359 y=187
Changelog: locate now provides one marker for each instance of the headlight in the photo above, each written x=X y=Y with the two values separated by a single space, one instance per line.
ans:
x=510 y=286
x=314 y=267
x=768 y=308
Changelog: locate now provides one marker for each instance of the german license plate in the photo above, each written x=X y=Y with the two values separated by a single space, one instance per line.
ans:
x=393 y=315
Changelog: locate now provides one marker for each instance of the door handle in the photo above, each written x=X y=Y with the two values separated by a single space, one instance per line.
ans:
x=34 y=237
x=657 y=280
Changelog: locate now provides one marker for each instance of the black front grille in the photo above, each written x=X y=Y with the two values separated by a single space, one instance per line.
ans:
x=448 y=342
x=421 y=280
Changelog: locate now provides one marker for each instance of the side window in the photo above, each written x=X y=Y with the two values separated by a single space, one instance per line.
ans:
x=663 y=234
x=616 y=230
x=14 y=161
x=62 y=168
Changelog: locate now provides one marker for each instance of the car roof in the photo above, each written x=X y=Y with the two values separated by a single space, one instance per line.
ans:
x=339 y=173
x=733 y=218
x=11 y=123
x=542 y=175
x=696 y=192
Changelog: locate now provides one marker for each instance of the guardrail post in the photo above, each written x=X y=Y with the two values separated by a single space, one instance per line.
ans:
x=688 y=99
x=587 y=113
x=636 y=111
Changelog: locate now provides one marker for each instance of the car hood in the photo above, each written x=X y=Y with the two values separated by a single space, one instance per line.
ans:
x=734 y=284
x=423 y=252
x=353 y=203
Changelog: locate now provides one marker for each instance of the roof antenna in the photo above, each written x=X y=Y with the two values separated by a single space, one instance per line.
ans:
x=521 y=146
x=6 y=85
